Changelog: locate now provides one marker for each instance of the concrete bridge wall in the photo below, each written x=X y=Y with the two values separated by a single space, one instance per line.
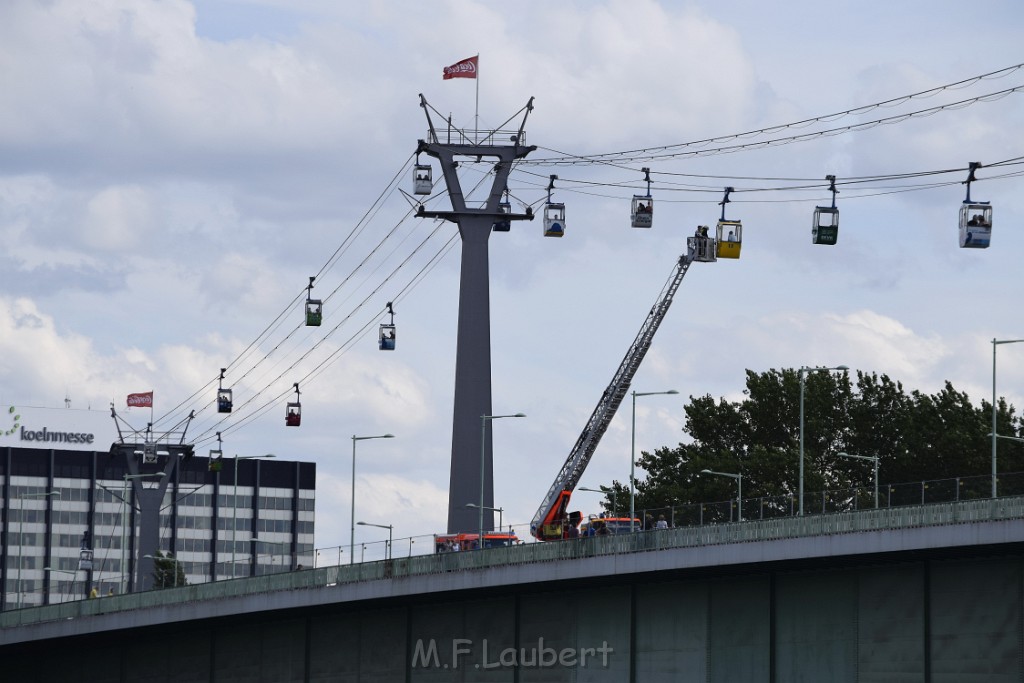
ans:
x=951 y=616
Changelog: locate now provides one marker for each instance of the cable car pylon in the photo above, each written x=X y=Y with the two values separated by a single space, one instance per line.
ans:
x=471 y=471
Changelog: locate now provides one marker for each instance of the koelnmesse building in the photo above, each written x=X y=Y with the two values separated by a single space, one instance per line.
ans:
x=75 y=501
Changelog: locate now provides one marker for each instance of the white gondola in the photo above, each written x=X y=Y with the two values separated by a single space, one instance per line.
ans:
x=642 y=215
x=975 y=218
x=422 y=179
x=554 y=220
x=975 y=225
x=554 y=214
x=825 y=228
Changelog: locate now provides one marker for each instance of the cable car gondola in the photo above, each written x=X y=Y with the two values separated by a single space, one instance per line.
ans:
x=224 y=402
x=387 y=332
x=314 y=307
x=293 y=412
x=422 y=179
x=729 y=233
x=975 y=218
x=642 y=215
x=504 y=207
x=554 y=214
x=825 y=229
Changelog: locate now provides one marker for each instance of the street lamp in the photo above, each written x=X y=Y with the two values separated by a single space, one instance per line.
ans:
x=483 y=460
x=615 y=497
x=802 y=373
x=995 y=343
x=500 y=511
x=352 y=536
x=234 y=506
x=73 y=575
x=873 y=458
x=632 y=452
x=21 y=540
x=1008 y=438
x=739 y=494
x=389 y=527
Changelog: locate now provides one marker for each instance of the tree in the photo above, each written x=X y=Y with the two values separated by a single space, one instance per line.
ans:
x=916 y=436
x=167 y=571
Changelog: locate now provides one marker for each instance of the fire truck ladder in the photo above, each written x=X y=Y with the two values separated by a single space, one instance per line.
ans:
x=547 y=522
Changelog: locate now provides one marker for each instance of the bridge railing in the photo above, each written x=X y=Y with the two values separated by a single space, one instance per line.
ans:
x=336 y=577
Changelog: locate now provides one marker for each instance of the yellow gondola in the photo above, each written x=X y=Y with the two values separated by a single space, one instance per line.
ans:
x=729 y=233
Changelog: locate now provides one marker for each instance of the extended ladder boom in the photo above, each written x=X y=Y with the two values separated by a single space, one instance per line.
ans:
x=547 y=522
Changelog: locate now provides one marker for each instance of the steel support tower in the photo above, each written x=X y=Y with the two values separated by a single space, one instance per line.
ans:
x=473 y=353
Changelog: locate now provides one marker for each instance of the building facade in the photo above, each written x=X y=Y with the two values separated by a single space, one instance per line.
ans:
x=70 y=512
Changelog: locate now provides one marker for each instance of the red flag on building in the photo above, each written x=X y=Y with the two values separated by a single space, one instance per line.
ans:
x=464 y=69
x=144 y=400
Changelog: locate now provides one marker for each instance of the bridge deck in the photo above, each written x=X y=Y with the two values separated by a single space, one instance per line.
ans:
x=893 y=530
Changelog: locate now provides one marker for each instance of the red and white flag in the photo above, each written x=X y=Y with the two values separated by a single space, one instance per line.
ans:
x=464 y=69
x=144 y=400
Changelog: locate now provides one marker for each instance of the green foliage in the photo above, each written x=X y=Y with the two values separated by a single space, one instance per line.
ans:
x=917 y=437
x=167 y=571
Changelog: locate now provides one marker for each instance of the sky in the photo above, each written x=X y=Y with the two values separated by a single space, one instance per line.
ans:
x=173 y=172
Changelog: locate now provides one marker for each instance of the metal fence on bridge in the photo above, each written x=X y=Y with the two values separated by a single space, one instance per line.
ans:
x=530 y=553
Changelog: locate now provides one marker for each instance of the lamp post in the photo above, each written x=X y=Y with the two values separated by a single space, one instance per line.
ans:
x=632 y=452
x=352 y=536
x=500 y=511
x=234 y=505
x=739 y=494
x=873 y=458
x=21 y=540
x=389 y=527
x=802 y=373
x=483 y=460
x=996 y=343
x=74 y=576
x=615 y=497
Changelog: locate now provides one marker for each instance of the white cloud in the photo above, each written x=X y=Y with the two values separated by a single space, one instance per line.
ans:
x=171 y=173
